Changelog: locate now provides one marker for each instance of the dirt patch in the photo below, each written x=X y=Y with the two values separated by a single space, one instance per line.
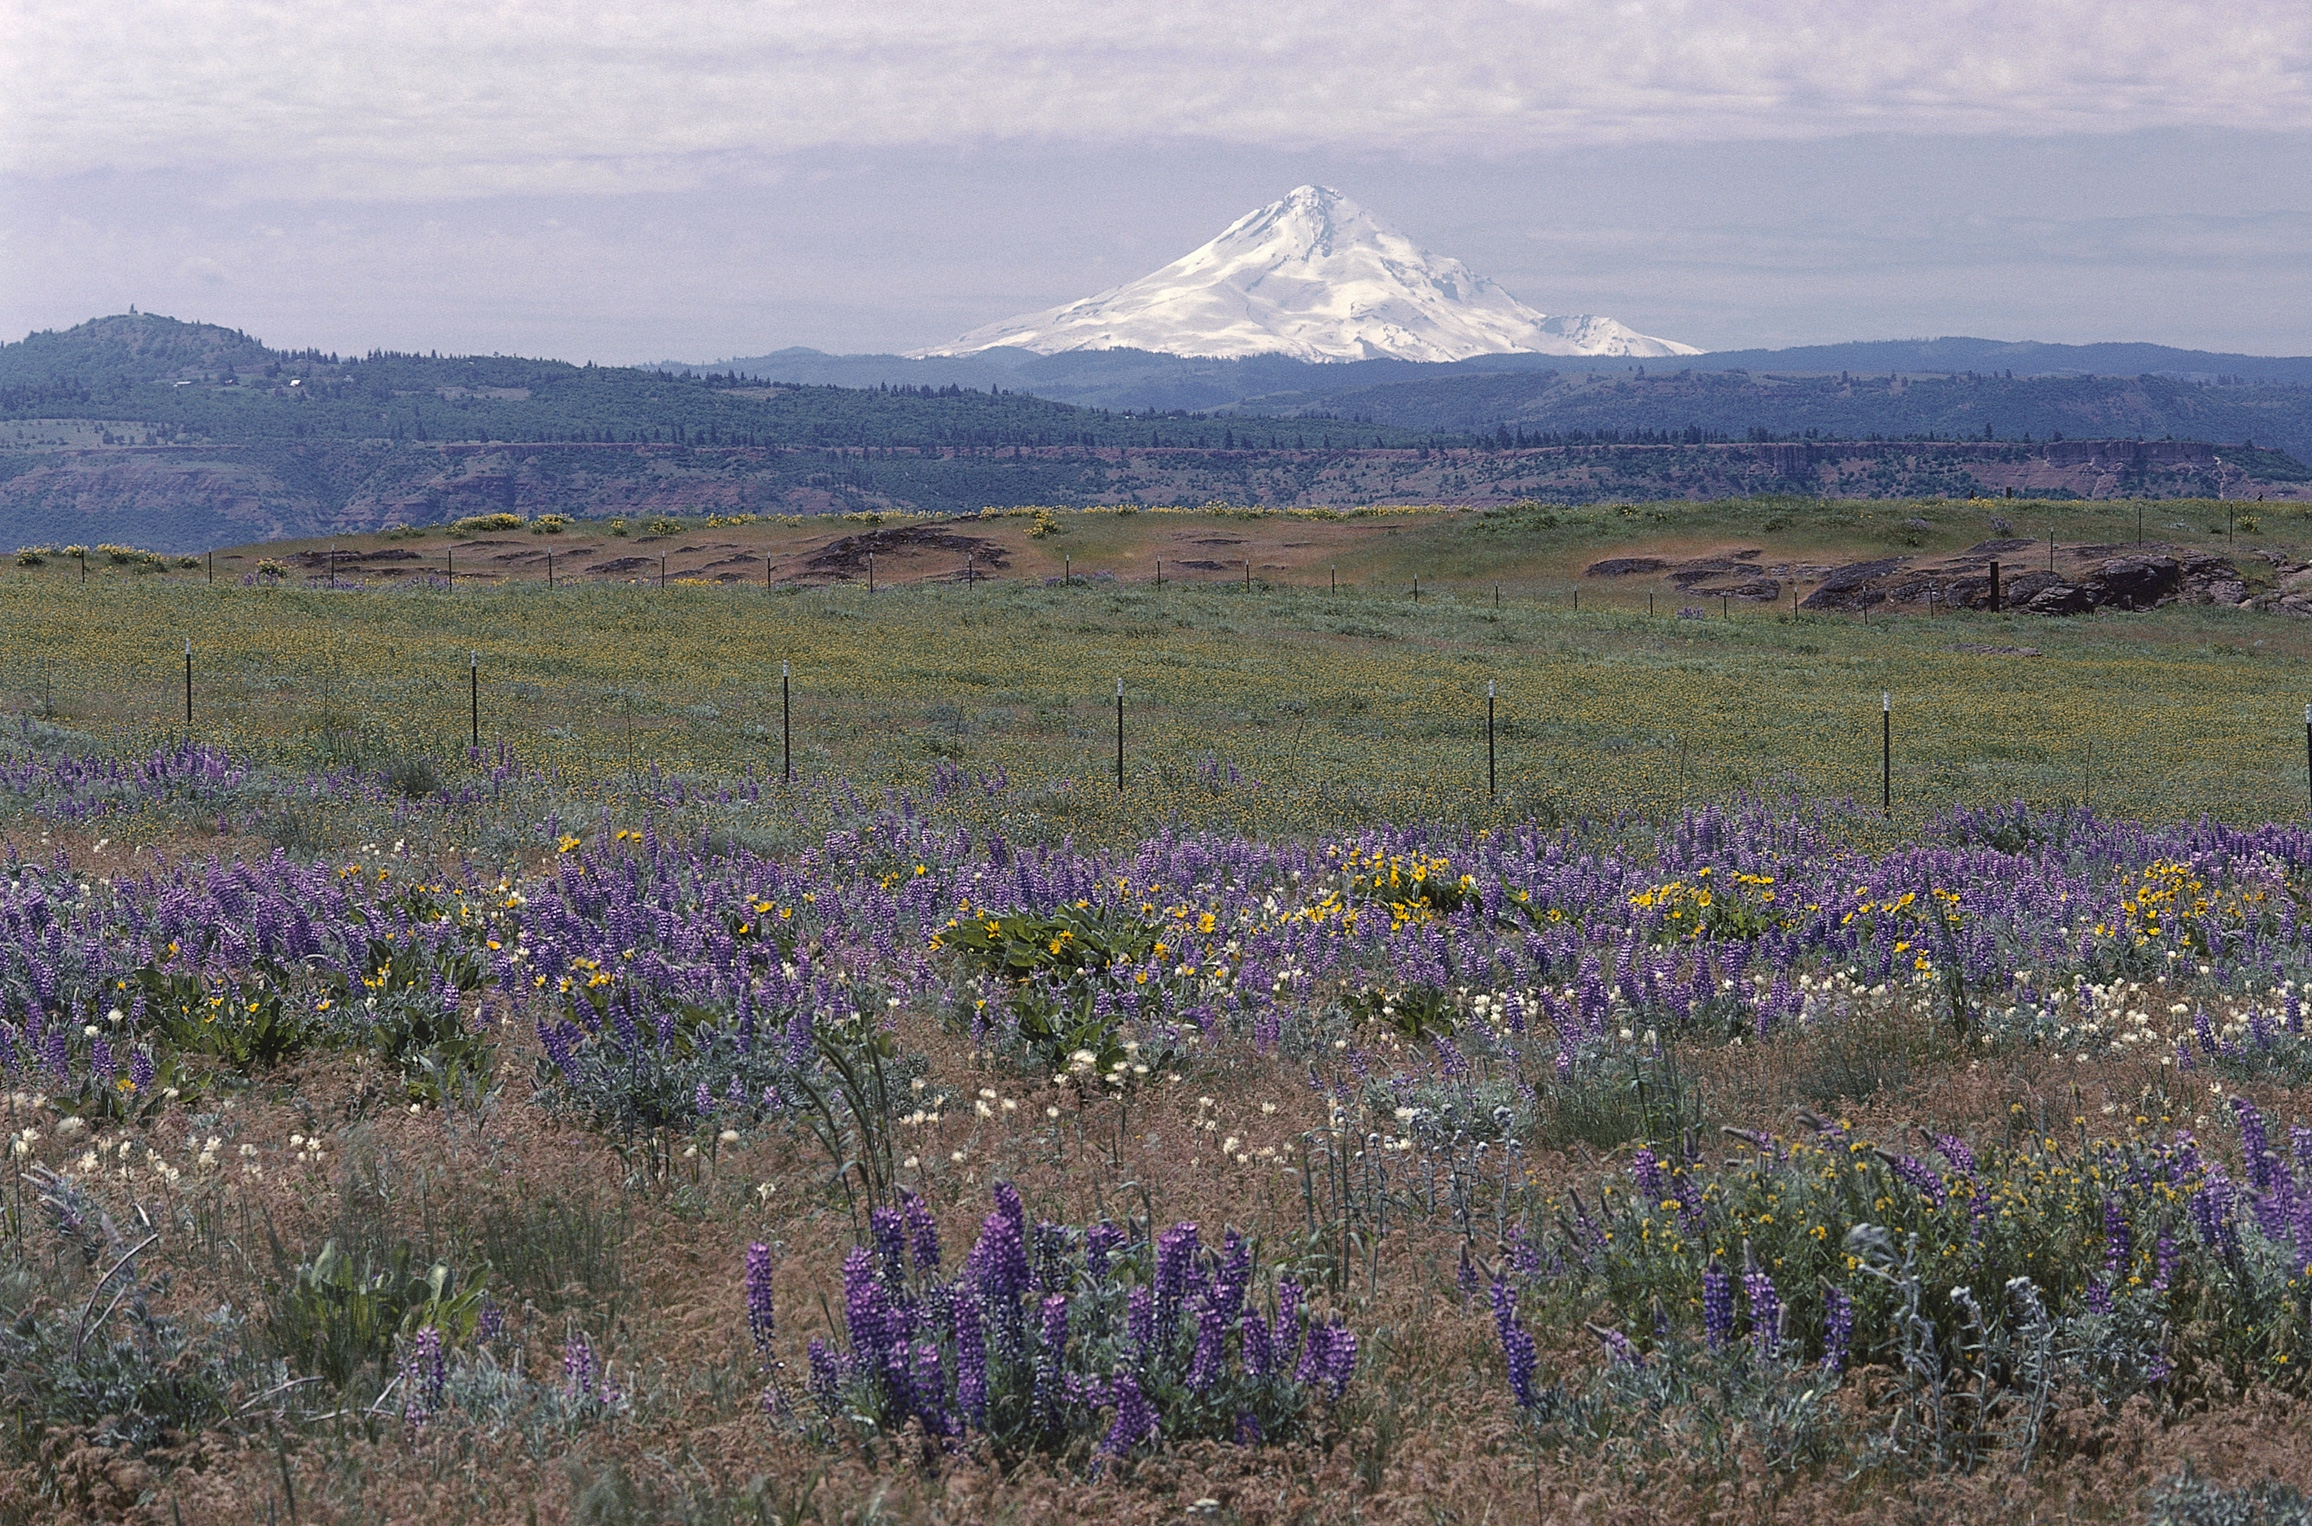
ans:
x=1624 y=567
x=625 y=564
x=847 y=557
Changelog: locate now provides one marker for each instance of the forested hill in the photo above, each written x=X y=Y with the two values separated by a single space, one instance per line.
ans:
x=199 y=382
x=1738 y=405
x=182 y=435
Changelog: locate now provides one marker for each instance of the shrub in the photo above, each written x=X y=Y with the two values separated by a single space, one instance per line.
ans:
x=34 y=556
x=475 y=523
x=1050 y=966
x=332 y=1318
x=1988 y=1282
x=838 y=1077
x=664 y=526
x=413 y=778
x=635 y=1065
x=2189 y=1500
x=550 y=524
x=248 y=1024
x=134 y=1379
x=1083 y=1344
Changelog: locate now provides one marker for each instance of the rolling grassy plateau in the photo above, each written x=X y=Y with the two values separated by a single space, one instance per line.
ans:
x=1363 y=705
x=593 y=1124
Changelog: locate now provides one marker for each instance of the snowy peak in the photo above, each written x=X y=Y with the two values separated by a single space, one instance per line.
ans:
x=1317 y=277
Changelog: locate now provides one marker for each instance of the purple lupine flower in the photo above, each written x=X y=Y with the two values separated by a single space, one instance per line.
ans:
x=2254 y=1144
x=140 y=1071
x=827 y=1378
x=1312 y=1359
x=1285 y=1332
x=1503 y=1299
x=1234 y=1276
x=866 y=1311
x=922 y=1234
x=1648 y=1171
x=885 y=1228
x=1922 y=1179
x=1050 y=1350
x=580 y=1374
x=1765 y=1312
x=2118 y=1239
x=1100 y=1242
x=927 y=1391
x=1524 y=1255
x=1007 y=1203
x=970 y=1360
x=2222 y=1200
x=2200 y=1208
x=999 y=1262
x=1465 y=1276
x=1954 y=1149
x=426 y=1376
x=1717 y=1305
x=758 y=1290
x=1247 y=1428
x=1052 y=1272
x=1252 y=1336
x=1135 y=1419
x=1340 y=1361
x=1620 y=1348
x=1140 y=1322
x=490 y=1322
x=1837 y=1329
x=703 y=1100
x=2164 y=1263
x=1175 y=1269
x=1211 y=1336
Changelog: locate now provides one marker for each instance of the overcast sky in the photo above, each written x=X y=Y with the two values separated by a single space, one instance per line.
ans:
x=705 y=178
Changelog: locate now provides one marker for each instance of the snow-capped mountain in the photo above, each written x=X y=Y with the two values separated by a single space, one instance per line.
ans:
x=1316 y=277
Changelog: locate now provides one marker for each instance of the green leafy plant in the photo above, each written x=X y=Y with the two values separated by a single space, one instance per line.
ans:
x=1046 y=961
x=333 y=1316
x=246 y=1025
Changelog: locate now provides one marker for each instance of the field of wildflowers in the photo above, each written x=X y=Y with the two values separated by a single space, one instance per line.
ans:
x=550 y=1131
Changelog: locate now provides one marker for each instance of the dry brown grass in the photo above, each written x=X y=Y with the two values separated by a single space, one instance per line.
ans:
x=1427 y=1435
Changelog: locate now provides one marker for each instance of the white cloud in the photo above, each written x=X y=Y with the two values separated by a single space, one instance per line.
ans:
x=430 y=98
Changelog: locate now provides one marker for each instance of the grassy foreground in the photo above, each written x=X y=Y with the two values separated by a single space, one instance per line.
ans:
x=595 y=1130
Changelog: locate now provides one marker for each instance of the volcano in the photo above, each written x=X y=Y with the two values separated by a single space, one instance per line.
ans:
x=1316 y=277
